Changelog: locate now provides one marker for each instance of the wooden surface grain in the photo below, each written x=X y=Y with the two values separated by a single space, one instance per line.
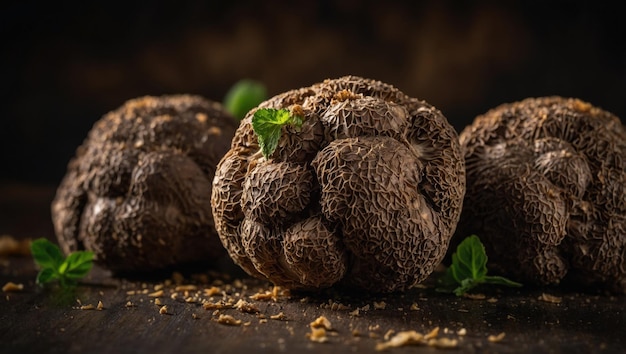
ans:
x=50 y=320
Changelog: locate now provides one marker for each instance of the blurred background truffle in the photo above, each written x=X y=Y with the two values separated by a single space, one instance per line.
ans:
x=63 y=66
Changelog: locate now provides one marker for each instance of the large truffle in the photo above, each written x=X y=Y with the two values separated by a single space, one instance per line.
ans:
x=546 y=182
x=366 y=193
x=138 y=191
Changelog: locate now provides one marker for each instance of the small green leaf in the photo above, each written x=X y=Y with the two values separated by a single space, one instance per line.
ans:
x=46 y=253
x=267 y=123
x=243 y=96
x=78 y=264
x=469 y=269
x=471 y=258
x=498 y=280
x=45 y=275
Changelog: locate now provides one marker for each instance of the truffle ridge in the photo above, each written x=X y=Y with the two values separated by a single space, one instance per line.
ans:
x=138 y=191
x=366 y=193
x=546 y=181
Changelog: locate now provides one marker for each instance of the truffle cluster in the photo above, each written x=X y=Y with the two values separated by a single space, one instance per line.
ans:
x=138 y=191
x=366 y=193
x=546 y=181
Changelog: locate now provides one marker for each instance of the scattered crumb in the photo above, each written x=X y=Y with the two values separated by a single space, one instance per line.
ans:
x=163 y=310
x=365 y=308
x=356 y=333
x=246 y=307
x=88 y=307
x=280 y=316
x=129 y=304
x=100 y=306
x=317 y=335
x=443 y=343
x=12 y=287
x=414 y=307
x=212 y=291
x=380 y=305
x=474 y=296
x=496 y=338
x=158 y=302
x=401 y=339
x=461 y=332
x=158 y=293
x=10 y=246
x=228 y=320
x=215 y=305
x=263 y=320
x=321 y=322
x=186 y=288
x=415 y=338
x=158 y=287
x=277 y=292
x=131 y=292
x=550 y=298
x=195 y=316
x=492 y=300
x=355 y=312
x=388 y=335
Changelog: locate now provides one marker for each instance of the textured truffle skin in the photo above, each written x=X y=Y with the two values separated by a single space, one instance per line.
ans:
x=366 y=194
x=138 y=191
x=545 y=191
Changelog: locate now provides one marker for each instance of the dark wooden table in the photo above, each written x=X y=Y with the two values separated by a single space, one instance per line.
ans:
x=50 y=320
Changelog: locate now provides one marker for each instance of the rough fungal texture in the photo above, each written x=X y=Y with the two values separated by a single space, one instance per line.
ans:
x=546 y=182
x=138 y=191
x=366 y=193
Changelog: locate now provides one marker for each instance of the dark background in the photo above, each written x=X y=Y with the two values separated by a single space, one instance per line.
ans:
x=64 y=66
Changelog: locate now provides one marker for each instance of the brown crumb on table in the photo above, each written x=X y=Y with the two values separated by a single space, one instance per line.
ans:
x=186 y=288
x=212 y=291
x=415 y=338
x=380 y=305
x=550 y=298
x=228 y=320
x=246 y=307
x=207 y=305
x=461 y=332
x=158 y=302
x=355 y=312
x=129 y=304
x=195 y=316
x=88 y=307
x=100 y=306
x=280 y=316
x=317 y=335
x=9 y=246
x=496 y=338
x=158 y=293
x=474 y=296
x=321 y=322
x=12 y=287
x=414 y=307
x=163 y=310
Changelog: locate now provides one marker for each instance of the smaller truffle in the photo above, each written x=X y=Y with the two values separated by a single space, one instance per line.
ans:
x=546 y=180
x=138 y=191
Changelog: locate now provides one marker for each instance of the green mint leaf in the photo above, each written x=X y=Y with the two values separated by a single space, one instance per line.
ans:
x=45 y=275
x=469 y=269
x=55 y=266
x=498 y=280
x=267 y=124
x=471 y=258
x=78 y=264
x=46 y=254
x=243 y=96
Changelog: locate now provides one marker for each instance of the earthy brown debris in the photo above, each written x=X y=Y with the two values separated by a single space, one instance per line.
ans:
x=546 y=192
x=550 y=298
x=322 y=322
x=496 y=338
x=430 y=339
x=12 y=287
x=138 y=191
x=10 y=246
x=317 y=335
x=367 y=192
x=228 y=320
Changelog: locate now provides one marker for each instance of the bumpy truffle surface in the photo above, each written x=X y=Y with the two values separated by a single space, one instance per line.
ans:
x=366 y=193
x=546 y=181
x=138 y=191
